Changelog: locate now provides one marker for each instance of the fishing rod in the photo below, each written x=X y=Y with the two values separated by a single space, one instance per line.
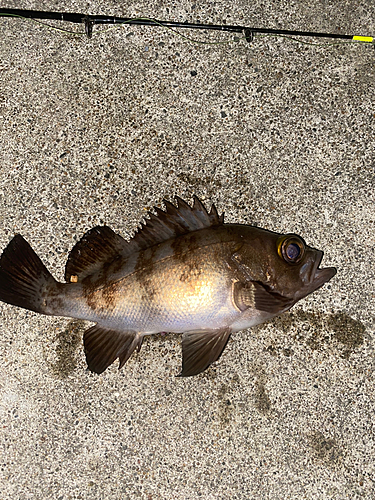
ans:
x=90 y=21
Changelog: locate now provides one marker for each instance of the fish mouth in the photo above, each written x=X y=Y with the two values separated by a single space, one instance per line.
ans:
x=323 y=275
x=320 y=276
x=312 y=276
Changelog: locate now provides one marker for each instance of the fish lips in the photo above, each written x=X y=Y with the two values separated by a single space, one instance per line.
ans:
x=316 y=277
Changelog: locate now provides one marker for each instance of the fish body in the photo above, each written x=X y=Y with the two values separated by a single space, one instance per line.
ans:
x=185 y=271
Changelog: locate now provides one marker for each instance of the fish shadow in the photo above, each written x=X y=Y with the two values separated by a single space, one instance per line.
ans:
x=68 y=346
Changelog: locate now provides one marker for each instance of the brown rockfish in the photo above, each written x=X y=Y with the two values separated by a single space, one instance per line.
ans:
x=184 y=271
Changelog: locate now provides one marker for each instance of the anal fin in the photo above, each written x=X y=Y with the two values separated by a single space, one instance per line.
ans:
x=103 y=346
x=201 y=348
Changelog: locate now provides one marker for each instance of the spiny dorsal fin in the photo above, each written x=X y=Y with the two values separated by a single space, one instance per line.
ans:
x=101 y=246
x=175 y=221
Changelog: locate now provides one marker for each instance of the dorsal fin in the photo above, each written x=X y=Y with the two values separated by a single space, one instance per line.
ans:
x=175 y=221
x=101 y=246
x=92 y=251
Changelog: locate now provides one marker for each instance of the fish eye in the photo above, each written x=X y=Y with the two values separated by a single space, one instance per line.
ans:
x=291 y=248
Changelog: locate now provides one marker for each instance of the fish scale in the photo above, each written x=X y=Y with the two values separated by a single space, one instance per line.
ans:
x=195 y=298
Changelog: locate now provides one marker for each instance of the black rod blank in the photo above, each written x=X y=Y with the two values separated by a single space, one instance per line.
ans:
x=90 y=20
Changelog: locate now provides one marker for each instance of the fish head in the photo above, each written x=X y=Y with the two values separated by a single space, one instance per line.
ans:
x=285 y=265
x=300 y=265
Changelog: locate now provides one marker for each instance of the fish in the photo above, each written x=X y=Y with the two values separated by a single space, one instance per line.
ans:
x=184 y=271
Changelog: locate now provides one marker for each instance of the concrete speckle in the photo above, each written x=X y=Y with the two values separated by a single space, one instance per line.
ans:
x=276 y=133
x=326 y=449
x=334 y=331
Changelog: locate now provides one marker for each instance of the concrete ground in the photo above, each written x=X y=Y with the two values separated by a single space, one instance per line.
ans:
x=275 y=133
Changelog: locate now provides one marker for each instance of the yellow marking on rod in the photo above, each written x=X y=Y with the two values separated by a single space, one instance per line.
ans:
x=363 y=38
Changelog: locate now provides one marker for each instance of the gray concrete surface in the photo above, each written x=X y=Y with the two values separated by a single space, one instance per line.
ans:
x=276 y=133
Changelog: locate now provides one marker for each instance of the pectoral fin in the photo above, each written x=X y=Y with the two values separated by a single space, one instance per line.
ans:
x=255 y=295
x=103 y=346
x=201 y=348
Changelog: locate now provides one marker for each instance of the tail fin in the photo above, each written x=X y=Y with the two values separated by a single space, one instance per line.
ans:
x=24 y=279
